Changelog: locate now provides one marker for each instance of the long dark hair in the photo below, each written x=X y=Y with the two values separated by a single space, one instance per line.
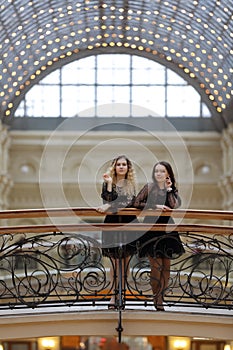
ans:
x=169 y=170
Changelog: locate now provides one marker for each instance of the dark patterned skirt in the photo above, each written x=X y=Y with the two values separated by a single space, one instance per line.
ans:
x=160 y=244
x=120 y=244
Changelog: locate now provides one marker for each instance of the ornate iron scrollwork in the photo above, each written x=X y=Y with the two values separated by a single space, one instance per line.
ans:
x=57 y=269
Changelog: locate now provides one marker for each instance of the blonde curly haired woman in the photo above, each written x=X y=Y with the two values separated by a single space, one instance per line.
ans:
x=118 y=192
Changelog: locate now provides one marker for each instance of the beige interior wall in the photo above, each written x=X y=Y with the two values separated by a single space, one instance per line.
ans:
x=226 y=178
x=64 y=168
x=5 y=177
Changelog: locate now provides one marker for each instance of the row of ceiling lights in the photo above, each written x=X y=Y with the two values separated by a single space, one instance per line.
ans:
x=220 y=81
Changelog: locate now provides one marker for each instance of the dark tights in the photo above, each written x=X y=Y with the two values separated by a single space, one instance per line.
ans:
x=159 y=277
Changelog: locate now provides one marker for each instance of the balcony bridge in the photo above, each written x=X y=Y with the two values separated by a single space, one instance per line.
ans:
x=54 y=279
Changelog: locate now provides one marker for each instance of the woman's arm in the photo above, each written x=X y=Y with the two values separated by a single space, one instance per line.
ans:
x=141 y=199
x=108 y=196
x=174 y=199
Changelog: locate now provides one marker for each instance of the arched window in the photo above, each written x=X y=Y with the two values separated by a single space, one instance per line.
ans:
x=122 y=82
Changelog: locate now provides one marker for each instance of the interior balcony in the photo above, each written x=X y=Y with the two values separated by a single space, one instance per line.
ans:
x=55 y=281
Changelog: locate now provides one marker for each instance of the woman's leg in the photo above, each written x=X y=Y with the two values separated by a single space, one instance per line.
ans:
x=164 y=280
x=160 y=273
x=155 y=276
x=114 y=279
x=123 y=272
x=166 y=272
x=117 y=271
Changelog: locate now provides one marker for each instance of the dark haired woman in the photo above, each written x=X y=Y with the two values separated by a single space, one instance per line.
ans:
x=159 y=247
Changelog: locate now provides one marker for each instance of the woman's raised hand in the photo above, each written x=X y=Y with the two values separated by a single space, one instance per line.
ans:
x=107 y=178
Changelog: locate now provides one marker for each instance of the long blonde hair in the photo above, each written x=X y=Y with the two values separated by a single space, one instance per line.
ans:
x=130 y=187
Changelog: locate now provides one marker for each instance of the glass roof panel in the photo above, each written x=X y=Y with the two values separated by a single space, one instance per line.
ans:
x=193 y=37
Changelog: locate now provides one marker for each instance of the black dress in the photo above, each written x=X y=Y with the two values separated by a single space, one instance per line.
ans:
x=118 y=244
x=159 y=244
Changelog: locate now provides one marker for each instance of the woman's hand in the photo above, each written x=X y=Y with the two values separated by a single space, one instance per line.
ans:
x=163 y=207
x=168 y=184
x=103 y=208
x=107 y=178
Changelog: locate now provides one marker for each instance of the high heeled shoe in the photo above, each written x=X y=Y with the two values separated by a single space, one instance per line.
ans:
x=158 y=305
x=113 y=304
x=160 y=308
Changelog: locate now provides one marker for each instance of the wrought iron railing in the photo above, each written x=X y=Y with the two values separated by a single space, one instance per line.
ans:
x=49 y=265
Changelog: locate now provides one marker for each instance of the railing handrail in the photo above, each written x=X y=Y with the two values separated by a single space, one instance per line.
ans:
x=88 y=227
x=88 y=211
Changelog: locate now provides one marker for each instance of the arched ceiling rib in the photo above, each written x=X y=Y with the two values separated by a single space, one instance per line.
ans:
x=195 y=36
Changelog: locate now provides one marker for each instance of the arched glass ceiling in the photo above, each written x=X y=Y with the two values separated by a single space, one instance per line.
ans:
x=112 y=85
x=193 y=37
